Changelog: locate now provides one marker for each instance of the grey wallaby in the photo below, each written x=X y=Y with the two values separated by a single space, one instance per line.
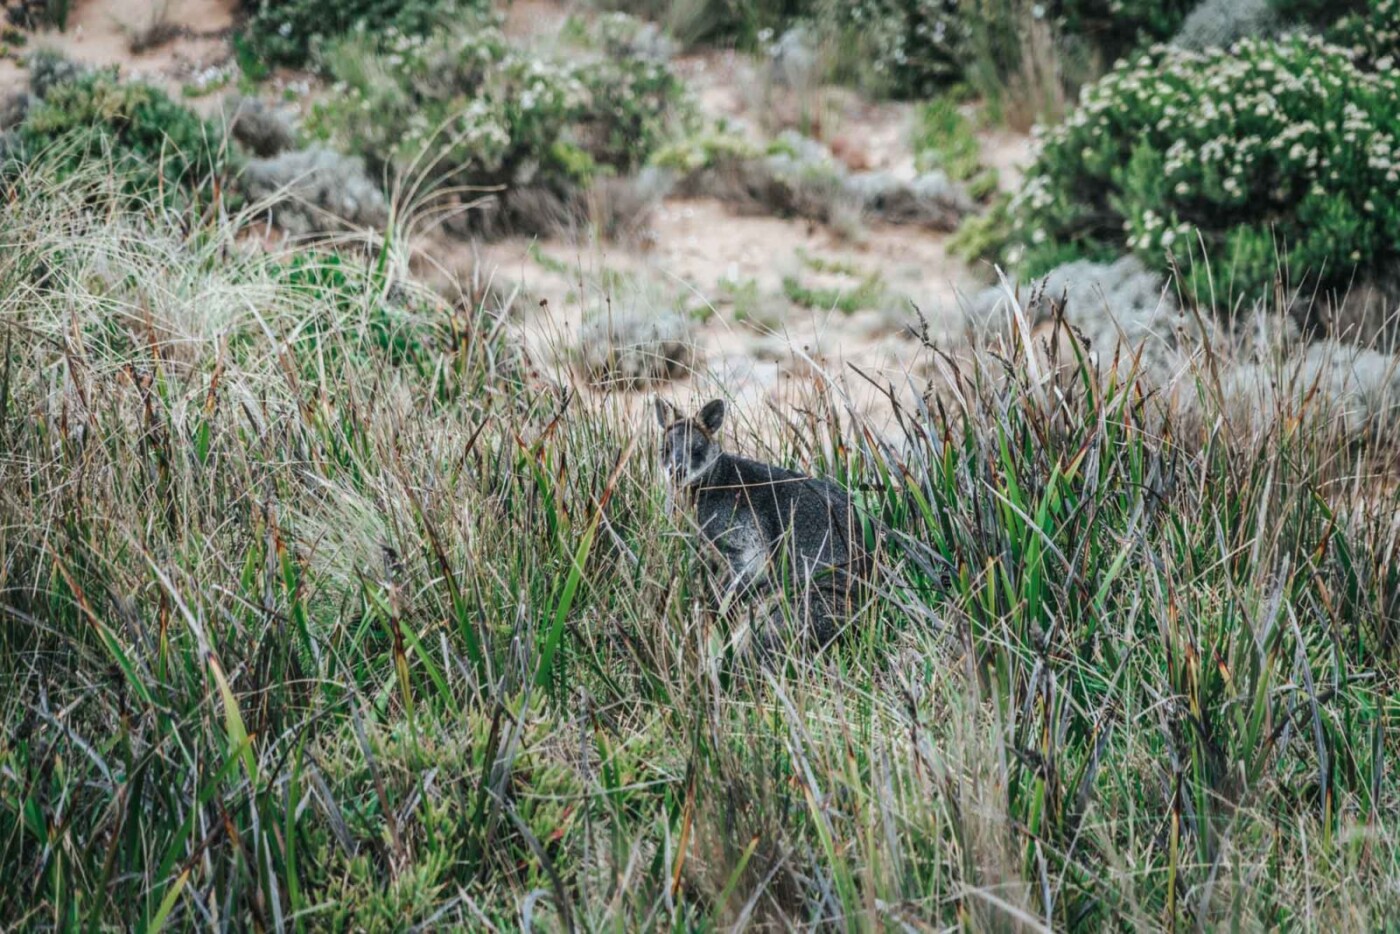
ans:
x=765 y=521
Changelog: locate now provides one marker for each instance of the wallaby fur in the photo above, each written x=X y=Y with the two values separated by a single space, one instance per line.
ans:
x=765 y=521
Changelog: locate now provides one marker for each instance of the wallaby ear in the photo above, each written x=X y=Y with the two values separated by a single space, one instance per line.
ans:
x=712 y=415
x=665 y=414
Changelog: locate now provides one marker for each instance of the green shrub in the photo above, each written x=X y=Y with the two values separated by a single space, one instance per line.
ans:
x=1370 y=29
x=981 y=238
x=288 y=32
x=846 y=299
x=914 y=48
x=704 y=150
x=38 y=14
x=468 y=108
x=160 y=146
x=1275 y=154
x=902 y=48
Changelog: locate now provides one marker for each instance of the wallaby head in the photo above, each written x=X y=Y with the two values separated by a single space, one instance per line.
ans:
x=689 y=446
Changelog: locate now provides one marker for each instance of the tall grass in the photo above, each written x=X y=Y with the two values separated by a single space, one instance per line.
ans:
x=317 y=611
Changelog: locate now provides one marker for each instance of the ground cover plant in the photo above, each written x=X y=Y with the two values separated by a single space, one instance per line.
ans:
x=319 y=609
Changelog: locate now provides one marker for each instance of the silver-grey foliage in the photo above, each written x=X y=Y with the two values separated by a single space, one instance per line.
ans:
x=792 y=59
x=1355 y=388
x=315 y=191
x=1221 y=23
x=929 y=200
x=48 y=68
x=257 y=127
x=1368 y=312
x=1121 y=309
x=1125 y=312
x=801 y=178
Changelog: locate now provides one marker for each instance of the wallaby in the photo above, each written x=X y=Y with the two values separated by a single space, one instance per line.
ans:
x=761 y=519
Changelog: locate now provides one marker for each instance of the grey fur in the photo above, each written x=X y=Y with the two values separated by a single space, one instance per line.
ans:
x=763 y=521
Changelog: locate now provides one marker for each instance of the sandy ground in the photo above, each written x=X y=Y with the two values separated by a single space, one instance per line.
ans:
x=193 y=38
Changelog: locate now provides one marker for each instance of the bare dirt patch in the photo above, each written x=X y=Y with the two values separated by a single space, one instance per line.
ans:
x=182 y=38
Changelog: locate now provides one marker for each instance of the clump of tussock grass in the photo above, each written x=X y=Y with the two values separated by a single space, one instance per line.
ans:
x=312 y=613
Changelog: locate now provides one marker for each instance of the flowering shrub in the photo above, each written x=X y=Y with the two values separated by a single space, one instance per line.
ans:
x=1273 y=154
x=1372 y=31
x=285 y=32
x=469 y=108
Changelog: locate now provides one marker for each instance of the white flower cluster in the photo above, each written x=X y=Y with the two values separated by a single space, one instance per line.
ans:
x=1372 y=35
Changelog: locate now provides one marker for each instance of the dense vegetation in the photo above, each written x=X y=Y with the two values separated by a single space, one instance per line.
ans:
x=1369 y=28
x=316 y=612
x=320 y=607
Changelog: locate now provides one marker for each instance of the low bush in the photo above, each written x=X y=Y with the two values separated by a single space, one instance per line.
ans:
x=467 y=109
x=289 y=32
x=635 y=348
x=38 y=14
x=163 y=149
x=899 y=48
x=915 y=48
x=799 y=177
x=314 y=191
x=848 y=299
x=1270 y=156
x=944 y=140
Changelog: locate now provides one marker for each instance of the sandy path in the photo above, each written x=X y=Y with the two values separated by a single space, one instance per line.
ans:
x=100 y=33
